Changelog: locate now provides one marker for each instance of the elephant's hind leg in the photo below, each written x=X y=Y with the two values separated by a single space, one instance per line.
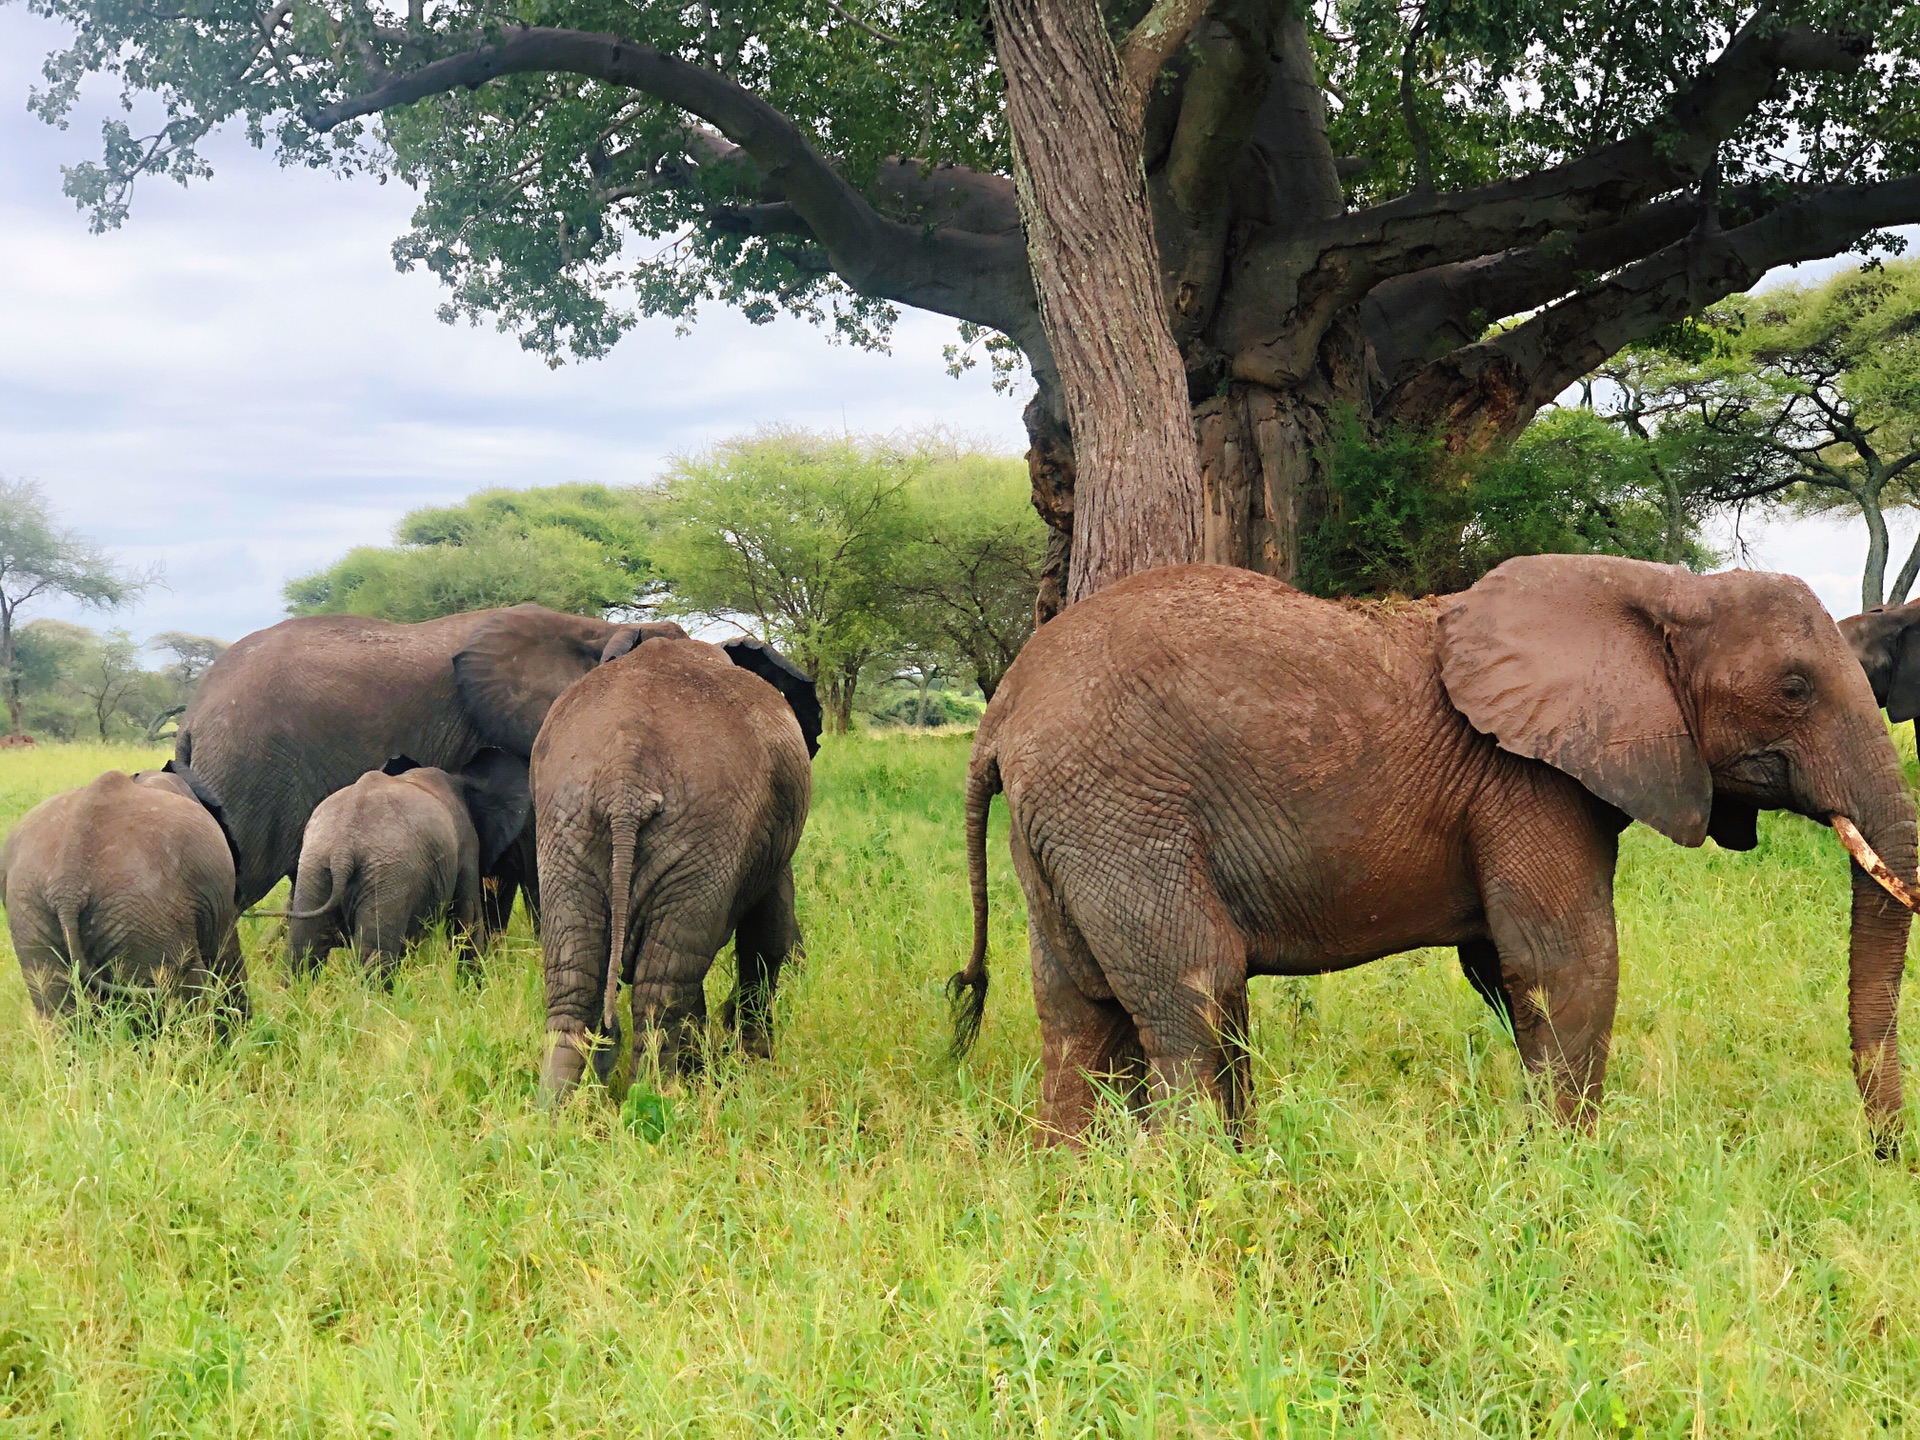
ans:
x=1088 y=1045
x=1178 y=964
x=670 y=1002
x=767 y=935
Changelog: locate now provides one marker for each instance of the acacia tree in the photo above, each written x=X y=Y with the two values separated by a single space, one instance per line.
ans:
x=1800 y=396
x=803 y=535
x=1210 y=240
x=39 y=557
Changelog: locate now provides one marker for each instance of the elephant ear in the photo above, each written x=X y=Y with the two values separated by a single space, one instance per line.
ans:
x=516 y=664
x=209 y=801
x=1903 y=684
x=494 y=784
x=1565 y=659
x=628 y=636
x=786 y=677
x=399 y=765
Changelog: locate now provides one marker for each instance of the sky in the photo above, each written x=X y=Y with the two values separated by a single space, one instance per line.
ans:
x=237 y=386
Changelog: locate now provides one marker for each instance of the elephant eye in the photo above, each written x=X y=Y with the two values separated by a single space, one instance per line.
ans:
x=1796 y=689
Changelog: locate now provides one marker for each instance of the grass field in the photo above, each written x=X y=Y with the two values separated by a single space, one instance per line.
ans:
x=356 y=1222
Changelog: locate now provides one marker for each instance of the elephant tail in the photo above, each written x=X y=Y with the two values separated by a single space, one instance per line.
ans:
x=624 y=820
x=68 y=914
x=967 y=991
x=336 y=893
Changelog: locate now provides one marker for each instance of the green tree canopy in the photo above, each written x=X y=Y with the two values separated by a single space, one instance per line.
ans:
x=577 y=548
x=800 y=535
x=1799 y=397
x=1342 y=197
x=1407 y=517
x=970 y=569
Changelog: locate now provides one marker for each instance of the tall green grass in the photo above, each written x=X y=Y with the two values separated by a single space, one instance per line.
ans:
x=355 y=1222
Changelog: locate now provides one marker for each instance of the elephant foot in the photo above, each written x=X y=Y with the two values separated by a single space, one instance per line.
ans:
x=565 y=1064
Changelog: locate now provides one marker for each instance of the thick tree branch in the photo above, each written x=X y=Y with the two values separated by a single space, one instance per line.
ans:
x=1487 y=392
x=1149 y=46
x=982 y=278
x=1297 y=283
x=1412 y=320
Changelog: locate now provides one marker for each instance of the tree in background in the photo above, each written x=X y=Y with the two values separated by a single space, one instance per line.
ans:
x=576 y=548
x=1800 y=397
x=971 y=567
x=110 y=678
x=1212 y=229
x=801 y=534
x=1405 y=516
x=38 y=558
x=193 y=656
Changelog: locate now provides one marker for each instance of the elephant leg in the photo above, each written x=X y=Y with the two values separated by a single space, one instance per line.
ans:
x=1086 y=1045
x=468 y=921
x=574 y=955
x=1480 y=962
x=1179 y=965
x=767 y=935
x=220 y=983
x=670 y=1002
x=1549 y=904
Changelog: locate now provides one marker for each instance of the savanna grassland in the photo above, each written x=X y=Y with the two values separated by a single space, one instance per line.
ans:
x=356 y=1221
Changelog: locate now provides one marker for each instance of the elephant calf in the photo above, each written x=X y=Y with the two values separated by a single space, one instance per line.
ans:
x=1211 y=775
x=398 y=849
x=125 y=890
x=670 y=788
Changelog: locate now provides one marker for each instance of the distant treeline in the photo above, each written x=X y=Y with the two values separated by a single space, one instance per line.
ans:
x=77 y=684
x=899 y=571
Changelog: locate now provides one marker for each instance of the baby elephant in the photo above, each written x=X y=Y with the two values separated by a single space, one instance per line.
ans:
x=399 y=848
x=124 y=890
x=670 y=787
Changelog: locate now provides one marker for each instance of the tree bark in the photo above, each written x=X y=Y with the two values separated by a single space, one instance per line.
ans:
x=1873 y=580
x=7 y=669
x=1083 y=195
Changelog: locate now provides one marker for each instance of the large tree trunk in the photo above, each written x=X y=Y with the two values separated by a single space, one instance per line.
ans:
x=1083 y=194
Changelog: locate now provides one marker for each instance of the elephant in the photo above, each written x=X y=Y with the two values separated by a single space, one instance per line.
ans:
x=669 y=793
x=398 y=849
x=1211 y=775
x=124 y=890
x=1886 y=640
x=292 y=713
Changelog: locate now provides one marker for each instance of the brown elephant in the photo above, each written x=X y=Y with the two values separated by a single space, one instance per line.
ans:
x=1211 y=775
x=670 y=789
x=123 y=890
x=1886 y=641
x=294 y=712
x=400 y=848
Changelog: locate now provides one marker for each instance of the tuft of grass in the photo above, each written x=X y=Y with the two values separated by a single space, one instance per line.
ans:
x=356 y=1221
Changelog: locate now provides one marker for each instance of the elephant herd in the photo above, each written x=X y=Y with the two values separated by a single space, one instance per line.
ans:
x=1209 y=776
x=402 y=773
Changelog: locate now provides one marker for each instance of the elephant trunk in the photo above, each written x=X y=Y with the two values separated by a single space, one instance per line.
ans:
x=1878 y=833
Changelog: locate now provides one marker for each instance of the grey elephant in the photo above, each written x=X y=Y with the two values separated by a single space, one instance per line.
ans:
x=670 y=789
x=401 y=848
x=123 y=890
x=1211 y=776
x=292 y=713
x=1886 y=641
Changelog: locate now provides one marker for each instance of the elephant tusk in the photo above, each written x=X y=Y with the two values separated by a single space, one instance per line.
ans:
x=1865 y=857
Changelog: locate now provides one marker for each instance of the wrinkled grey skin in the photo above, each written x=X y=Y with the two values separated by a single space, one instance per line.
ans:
x=124 y=890
x=1210 y=776
x=1886 y=640
x=290 y=714
x=670 y=789
x=399 y=850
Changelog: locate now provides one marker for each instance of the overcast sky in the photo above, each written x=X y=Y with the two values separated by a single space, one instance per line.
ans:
x=238 y=386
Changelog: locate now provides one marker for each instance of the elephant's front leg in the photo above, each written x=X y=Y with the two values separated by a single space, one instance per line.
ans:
x=468 y=922
x=1549 y=905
